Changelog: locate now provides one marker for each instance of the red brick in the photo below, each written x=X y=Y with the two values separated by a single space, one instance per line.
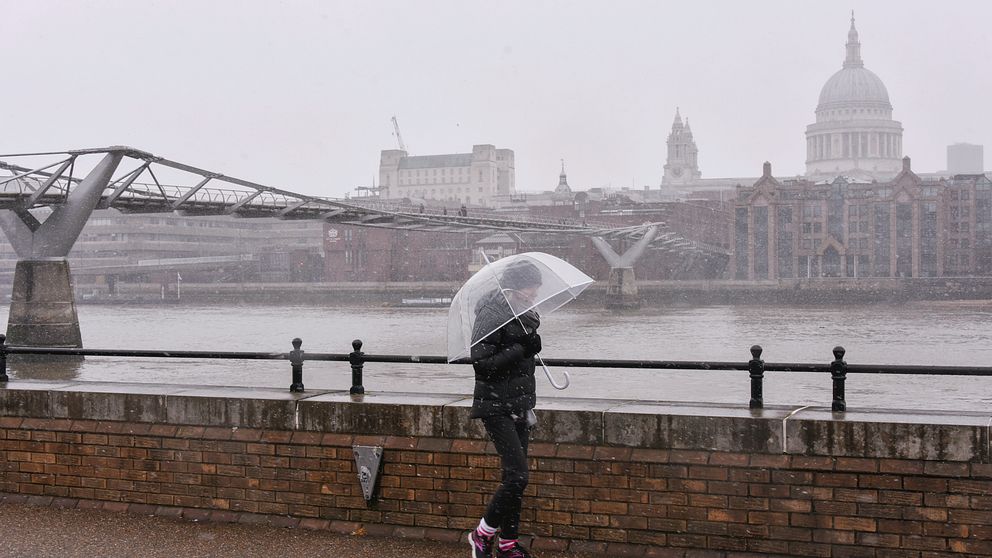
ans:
x=855 y=524
x=110 y=427
x=729 y=459
x=708 y=473
x=800 y=506
x=880 y=511
x=811 y=549
x=835 y=479
x=603 y=453
x=217 y=433
x=367 y=440
x=856 y=495
x=276 y=436
x=925 y=484
x=689 y=457
x=969 y=486
x=641 y=455
x=473 y=446
x=946 y=469
x=434 y=444
x=400 y=443
x=727 y=516
x=771 y=461
x=856 y=464
x=792 y=477
x=790 y=533
x=900 y=498
x=572 y=451
x=334 y=439
x=983 y=548
x=981 y=470
x=900 y=466
x=310 y=438
x=812 y=462
x=923 y=543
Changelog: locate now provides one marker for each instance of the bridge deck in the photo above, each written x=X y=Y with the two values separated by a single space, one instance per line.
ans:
x=47 y=182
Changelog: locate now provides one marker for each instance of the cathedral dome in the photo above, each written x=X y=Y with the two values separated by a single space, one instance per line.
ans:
x=854 y=86
x=854 y=133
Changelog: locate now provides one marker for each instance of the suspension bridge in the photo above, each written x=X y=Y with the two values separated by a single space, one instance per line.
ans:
x=47 y=197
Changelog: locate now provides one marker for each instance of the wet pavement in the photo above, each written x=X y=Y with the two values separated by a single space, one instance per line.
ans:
x=39 y=532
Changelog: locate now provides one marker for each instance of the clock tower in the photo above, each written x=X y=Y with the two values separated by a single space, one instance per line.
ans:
x=681 y=166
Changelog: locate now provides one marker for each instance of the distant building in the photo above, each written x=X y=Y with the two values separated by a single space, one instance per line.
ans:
x=468 y=178
x=965 y=158
x=854 y=134
x=681 y=164
x=906 y=227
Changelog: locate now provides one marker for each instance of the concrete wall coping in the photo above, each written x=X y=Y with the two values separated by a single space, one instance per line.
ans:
x=810 y=430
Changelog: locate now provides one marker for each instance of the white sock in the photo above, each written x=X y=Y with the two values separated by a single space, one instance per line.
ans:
x=484 y=529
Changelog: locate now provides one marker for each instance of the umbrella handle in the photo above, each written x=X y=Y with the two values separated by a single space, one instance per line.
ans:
x=547 y=372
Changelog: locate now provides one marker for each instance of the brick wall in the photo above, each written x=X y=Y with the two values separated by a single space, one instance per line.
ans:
x=927 y=498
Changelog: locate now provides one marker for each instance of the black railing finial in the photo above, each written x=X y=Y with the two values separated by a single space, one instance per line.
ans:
x=296 y=360
x=357 y=360
x=756 y=366
x=838 y=372
x=3 y=358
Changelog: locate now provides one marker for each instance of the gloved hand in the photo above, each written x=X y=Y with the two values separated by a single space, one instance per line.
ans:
x=532 y=344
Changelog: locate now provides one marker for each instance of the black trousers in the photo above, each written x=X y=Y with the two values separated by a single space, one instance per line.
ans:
x=509 y=435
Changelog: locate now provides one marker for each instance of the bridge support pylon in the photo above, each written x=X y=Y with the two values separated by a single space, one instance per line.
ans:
x=621 y=289
x=43 y=306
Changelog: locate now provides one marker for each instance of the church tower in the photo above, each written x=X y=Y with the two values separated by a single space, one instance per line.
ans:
x=681 y=166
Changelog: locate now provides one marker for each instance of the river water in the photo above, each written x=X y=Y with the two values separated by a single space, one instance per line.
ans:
x=939 y=333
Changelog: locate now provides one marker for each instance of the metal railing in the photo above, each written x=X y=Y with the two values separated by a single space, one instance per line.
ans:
x=838 y=368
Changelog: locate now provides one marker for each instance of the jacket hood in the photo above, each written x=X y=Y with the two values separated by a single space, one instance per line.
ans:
x=492 y=311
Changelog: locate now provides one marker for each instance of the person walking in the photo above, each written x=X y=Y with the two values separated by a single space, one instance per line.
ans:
x=504 y=400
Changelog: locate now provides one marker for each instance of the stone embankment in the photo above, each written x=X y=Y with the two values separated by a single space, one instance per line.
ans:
x=612 y=478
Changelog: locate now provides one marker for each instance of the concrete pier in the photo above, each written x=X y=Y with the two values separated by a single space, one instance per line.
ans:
x=42 y=307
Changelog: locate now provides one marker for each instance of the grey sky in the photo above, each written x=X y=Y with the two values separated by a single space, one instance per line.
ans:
x=299 y=94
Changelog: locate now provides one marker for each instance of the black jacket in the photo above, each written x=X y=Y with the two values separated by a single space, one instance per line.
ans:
x=504 y=374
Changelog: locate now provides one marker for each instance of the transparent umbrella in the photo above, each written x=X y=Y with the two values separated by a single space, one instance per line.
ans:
x=550 y=284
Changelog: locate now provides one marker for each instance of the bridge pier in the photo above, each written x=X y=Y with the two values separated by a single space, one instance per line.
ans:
x=621 y=288
x=43 y=306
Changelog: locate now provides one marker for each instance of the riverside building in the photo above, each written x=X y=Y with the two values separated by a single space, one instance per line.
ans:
x=906 y=227
x=462 y=178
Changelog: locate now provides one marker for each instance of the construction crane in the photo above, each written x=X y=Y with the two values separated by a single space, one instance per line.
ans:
x=399 y=138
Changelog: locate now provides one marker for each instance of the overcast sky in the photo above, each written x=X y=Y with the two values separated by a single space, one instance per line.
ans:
x=299 y=95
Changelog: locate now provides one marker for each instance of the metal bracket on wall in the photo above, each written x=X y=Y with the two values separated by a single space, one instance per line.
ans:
x=368 y=460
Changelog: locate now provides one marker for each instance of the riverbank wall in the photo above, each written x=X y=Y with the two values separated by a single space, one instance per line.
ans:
x=652 y=293
x=608 y=477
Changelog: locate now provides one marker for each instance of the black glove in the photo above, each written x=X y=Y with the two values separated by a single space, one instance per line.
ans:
x=531 y=344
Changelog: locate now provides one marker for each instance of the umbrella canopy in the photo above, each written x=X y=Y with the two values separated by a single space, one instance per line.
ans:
x=549 y=283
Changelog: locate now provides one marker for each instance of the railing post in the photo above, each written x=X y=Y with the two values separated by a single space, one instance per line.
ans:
x=357 y=360
x=838 y=372
x=756 y=366
x=296 y=360
x=3 y=358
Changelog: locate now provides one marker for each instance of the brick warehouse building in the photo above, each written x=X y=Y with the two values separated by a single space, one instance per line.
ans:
x=906 y=227
x=383 y=255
